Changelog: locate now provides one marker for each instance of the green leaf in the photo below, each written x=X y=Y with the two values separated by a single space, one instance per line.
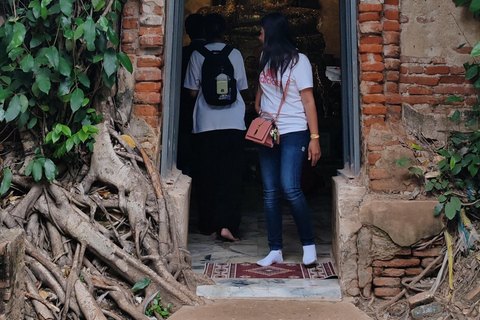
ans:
x=98 y=4
x=125 y=61
x=35 y=6
x=110 y=62
x=429 y=186
x=456 y=169
x=15 y=53
x=452 y=163
x=66 y=130
x=416 y=171
x=19 y=32
x=43 y=80
x=442 y=198
x=37 y=40
x=78 y=32
x=23 y=103
x=112 y=36
x=98 y=57
x=82 y=135
x=14 y=108
x=438 y=209
x=456 y=116
x=69 y=144
x=50 y=169
x=416 y=146
x=475 y=6
x=66 y=7
x=89 y=33
x=102 y=24
x=37 y=170
x=32 y=123
x=64 y=68
x=77 y=99
x=53 y=57
x=476 y=50
x=454 y=98
x=6 y=182
x=27 y=63
x=64 y=88
x=141 y=284
x=83 y=78
x=403 y=162
x=471 y=72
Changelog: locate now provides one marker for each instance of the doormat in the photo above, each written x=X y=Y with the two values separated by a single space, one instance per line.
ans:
x=247 y=270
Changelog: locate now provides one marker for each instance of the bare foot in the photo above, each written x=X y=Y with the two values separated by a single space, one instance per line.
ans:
x=228 y=235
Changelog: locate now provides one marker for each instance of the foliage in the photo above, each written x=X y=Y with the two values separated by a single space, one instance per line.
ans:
x=156 y=307
x=54 y=56
x=141 y=284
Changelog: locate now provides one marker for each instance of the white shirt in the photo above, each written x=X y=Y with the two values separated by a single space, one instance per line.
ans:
x=292 y=117
x=205 y=116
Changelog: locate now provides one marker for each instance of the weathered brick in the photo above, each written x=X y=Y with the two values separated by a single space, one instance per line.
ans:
x=397 y=263
x=386 y=292
x=422 y=60
x=392 y=75
x=372 y=66
x=148 y=87
x=129 y=48
x=386 y=282
x=452 y=79
x=425 y=19
x=149 y=61
x=413 y=271
x=457 y=70
x=391 y=37
x=439 y=60
x=374 y=109
x=427 y=261
x=392 y=98
x=404 y=19
x=147 y=97
x=423 y=80
x=369 y=16
x=372 y=76
x=403 y=88
x=146 y=110
x=148 y=74
x=130 y=23
x=464 y=50
x=420 y=100
x=437 y=70
x=389 y=25
x=371 y=40
x=370 y=87
x=421 y=298
x=393 y=272
x=394 y=111
x=391 y=51
x=420 y=90
x=454 y=89
x=144 y=31
x=391 y=14
x=367 y=7
x=372 y=160
x=367 y=122
x=391 y=87
x=373 y=98
x=376 y=174
x=371 y=27
x=386 y=185
x=415 y=69
x=150 y=41
x=129 y=36
x=392 y=64
x=371 y=57
x=151 y=121
x=370 y=48
x=130 y=9
x=392 y=2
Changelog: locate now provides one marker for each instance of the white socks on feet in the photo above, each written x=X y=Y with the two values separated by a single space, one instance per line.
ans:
x=275 y=256
x=309 y=254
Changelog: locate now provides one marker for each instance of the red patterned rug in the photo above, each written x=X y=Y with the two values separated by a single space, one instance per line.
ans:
x=247 y=270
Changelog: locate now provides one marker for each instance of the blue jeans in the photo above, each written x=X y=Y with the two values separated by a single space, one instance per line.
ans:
x=281 y=168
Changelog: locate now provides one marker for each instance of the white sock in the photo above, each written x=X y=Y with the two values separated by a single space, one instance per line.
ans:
x=309 y=254
x=275 y=256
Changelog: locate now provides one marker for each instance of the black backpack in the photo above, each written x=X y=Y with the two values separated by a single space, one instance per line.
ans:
x=221 y=91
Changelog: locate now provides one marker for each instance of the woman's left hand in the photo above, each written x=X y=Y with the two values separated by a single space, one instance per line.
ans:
x=314 y=152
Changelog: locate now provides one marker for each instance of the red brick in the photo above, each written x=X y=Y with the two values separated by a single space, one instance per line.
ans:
x=371 y=40
x=144 y=31
x=372 y=76
x=372 y=66
x=370 y=48
x=392 y=2
x=391 y=37
x=369 y=16
x=393 y=272
x=374 y=109
x=372 y=159
x=130 y=9
x=403 y=88
x=439 y=60
x=424 y=80
x=371 y=57
x=147 y=97
x=150 y=41
x=148 y=86
x=452 y=79
x=392 y=64
x=464 y=50
x=391 y=25
x=413 y=271
x=451 y=89
x=391 y=87
x=129 y=36
x=437 y=70
x=377 y=174
x=149 y=61
x=367 y=122
x=129 y=49
x=392 y=98
x=146 y=110
x=416 y=69
x=365 y=7
x=152 y=121
x=391 y=14
x=420 y=100
x=427 y=261
x=373 y=98
x=420 y=90
x=457 y=70
x=403 y=19
x=370 y=87
x=386 y=292
x=371 y=27
x=392 y=75
x=397 y=263
x=394 y=111
x=130 y=23
x=386 y=282
x=391 y=51
x=422 y=60
x=148 y=74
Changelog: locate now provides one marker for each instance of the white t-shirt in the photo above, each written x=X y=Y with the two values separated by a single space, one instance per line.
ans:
x=206 y=117
x=292 y=117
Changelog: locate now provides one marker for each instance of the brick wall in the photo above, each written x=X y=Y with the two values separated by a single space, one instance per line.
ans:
x=391 y=81
x=142 y=40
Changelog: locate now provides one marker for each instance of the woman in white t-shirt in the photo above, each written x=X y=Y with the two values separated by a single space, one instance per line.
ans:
x=297 y=125
x=218 y=142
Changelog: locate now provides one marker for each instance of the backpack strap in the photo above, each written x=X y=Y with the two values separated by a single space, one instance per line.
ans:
x=204 y=51
x=226 y=50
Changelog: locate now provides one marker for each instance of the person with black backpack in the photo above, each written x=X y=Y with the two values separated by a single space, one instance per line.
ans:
x=215 y=76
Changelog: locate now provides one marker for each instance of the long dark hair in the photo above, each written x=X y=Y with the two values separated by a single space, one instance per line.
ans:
x=279 y=47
